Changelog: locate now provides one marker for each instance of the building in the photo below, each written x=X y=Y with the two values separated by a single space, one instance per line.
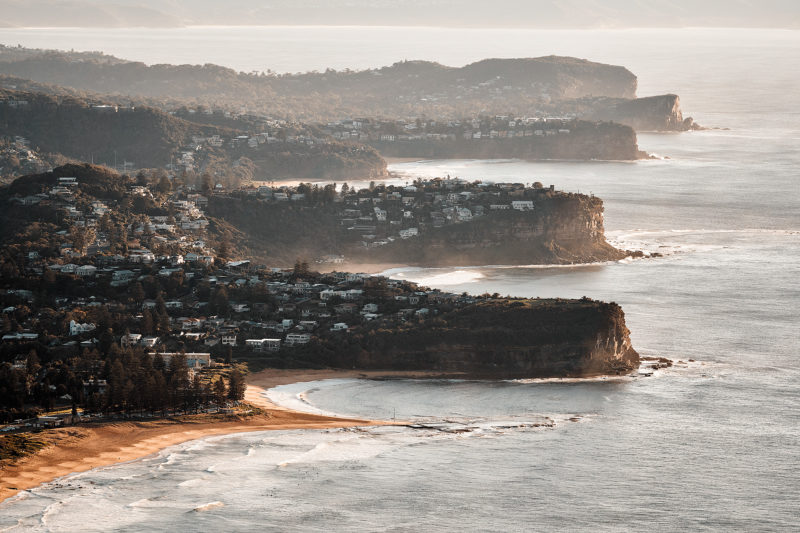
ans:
x=86 y=271
x=296 y=339
x=77 y=329
x=522 y=205
x=264 y=345
x=229 y=339
x=193 y=360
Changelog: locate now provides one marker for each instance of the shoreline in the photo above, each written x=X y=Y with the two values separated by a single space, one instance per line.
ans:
x=76 y=449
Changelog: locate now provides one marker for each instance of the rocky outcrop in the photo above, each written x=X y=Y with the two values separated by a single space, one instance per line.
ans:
x=653 y=113
x=509 y=339
x=562 y=228
x=579 y=140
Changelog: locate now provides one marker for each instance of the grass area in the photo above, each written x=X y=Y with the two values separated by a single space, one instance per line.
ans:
x=17 y=446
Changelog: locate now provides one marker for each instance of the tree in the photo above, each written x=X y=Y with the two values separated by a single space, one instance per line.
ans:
x=224 y=248
x=164 y=185
x=219 y=391
x=206 y=184
x=148 y=326
x=236 y=386
x=220 y=301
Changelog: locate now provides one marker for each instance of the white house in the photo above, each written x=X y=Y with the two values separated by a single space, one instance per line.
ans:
x=149 y=342
x=522 y=205
x=264 y=345
x=86 y=271
x=229 y=339
x=130 y=339
x=76 y=329
x=295 y=339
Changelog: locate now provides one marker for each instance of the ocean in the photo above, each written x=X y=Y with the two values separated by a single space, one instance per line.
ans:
x=708 y=445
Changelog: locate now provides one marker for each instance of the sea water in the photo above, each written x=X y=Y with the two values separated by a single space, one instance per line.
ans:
x=710 y=444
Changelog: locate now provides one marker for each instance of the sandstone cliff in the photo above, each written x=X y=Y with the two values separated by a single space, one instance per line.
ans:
x=578 y=141
x=506 y=339
x=653 y=113
x=561 y=229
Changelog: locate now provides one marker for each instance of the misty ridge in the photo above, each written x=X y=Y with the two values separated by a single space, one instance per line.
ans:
x=452 y=13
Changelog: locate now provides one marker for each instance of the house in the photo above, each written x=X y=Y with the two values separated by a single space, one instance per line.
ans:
x=86 y=271
x=264 y=345
x=121 y=277
x=339 y=326
x=409 y=232
x=77 y=329
x=369 y=308
x=229 y=339
x=130 y=339
x=193 y=360
x=191 y=323
x=522 y=205
x=296 y=339
x=20 y=337
x=148 y=342
x=194 y=336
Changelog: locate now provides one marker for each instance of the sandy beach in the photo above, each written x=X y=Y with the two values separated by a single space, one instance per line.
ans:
x=81 y=448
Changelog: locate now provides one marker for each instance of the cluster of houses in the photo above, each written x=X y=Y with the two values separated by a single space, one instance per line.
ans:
x=25 y=160
x=183 y=231
x=376 y=131
x=386 y=213
x=290 y=313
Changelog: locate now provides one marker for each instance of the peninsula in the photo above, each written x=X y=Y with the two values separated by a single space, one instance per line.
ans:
x=129 y=323
x=551 y=86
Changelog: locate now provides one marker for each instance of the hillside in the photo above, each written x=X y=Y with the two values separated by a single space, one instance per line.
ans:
x=75 y=128
x=544 y=86
x=146 y=137
x=439 y=224
x=405 y=88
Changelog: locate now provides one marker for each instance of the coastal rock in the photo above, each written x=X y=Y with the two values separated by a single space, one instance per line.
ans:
x=507 y=339
x=652 y=113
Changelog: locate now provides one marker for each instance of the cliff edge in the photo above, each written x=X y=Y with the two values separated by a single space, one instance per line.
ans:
x=502 y=339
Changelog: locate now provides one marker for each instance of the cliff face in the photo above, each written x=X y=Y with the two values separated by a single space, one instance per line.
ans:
x=562 y=229
x=511 y=339
x=653 y=113
x=583 y=141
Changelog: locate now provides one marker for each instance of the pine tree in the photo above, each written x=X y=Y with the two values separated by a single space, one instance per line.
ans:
x=236 y=386
x=219 y=391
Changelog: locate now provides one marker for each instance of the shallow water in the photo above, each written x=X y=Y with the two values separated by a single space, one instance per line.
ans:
x=705 y=446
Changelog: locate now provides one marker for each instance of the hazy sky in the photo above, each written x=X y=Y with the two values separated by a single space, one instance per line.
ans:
x=474 y=13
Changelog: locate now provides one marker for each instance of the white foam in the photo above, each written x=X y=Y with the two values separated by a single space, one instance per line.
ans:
x=295 y=396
